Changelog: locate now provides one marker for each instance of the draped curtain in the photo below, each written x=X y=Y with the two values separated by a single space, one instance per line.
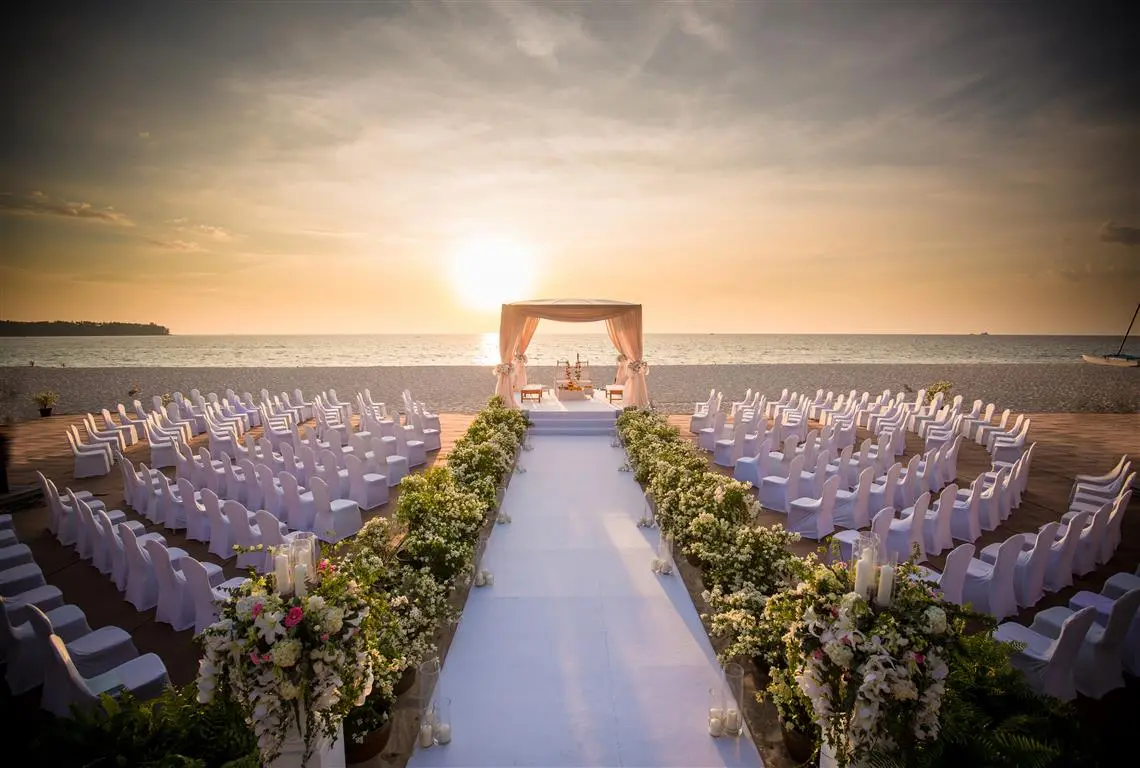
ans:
x=525 y=336
x=519 y=321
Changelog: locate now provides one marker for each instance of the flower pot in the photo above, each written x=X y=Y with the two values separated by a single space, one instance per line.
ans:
x=694 y=561
x=799 y=745
x=45 y=412
x=406 y=681
x=372 y=745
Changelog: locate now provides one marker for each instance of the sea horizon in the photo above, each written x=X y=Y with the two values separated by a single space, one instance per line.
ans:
x=449 y=349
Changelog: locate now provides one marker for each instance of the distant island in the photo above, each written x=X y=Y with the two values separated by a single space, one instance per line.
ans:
x=67 y=328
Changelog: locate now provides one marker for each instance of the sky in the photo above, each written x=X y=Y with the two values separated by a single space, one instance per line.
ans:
x=372 y=167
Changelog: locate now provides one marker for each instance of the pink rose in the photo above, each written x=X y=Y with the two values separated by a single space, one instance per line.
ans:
x=324 y=637
x=254 y=657
x=325 y=565
x=919 y=658
x=293 y=618
x=257 y=609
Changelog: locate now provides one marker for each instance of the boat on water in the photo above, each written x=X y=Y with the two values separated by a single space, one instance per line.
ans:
x=1119 y=360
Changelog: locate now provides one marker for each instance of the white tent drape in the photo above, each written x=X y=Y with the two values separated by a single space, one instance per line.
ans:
x=623 y=324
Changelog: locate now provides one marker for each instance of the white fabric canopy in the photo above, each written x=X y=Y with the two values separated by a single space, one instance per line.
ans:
x=623 y=324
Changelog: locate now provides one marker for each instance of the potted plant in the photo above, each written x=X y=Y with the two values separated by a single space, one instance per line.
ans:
x=801 y=734
x=45 y=400
x=368 y=728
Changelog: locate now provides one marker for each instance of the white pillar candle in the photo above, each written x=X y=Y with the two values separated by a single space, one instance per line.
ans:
x=479 y=579
x=732 y=722
x=299 y=574
x=283 y=575
x=886 y=582
x=861 y=581
x=488 y=578
x=716 y=726
x=427 y=737
x=717 y=713
x=442 y=733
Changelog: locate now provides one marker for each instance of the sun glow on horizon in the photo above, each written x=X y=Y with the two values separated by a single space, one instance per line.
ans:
x=487 y=273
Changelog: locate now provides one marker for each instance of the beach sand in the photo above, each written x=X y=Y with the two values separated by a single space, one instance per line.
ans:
x=1041 y=388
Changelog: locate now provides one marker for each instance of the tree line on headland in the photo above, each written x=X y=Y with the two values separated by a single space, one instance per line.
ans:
x=83 y=328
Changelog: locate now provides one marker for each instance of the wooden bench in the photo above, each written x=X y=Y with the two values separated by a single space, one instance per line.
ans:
x=615 y=392
x=531 y=392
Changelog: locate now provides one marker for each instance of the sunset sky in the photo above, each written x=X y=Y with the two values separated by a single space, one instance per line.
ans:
x=322 y=167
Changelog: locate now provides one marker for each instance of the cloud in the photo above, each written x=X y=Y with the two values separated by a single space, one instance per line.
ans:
x=179 y=220
x=218 y=233
x=1123 y=234
x=144 y=135
x=692 y=23
x=39 y=204
x=184 y=246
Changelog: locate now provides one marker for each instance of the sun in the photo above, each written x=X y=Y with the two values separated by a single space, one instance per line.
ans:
x=489 y=272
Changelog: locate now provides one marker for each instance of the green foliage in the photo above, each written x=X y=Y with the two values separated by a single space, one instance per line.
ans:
x=990 y=718
x=172 y=731
x=938 y=387
x=45 y=399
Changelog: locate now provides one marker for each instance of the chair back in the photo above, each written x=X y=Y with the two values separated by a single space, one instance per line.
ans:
x=1063 y=652
x=954 y=573
x=1120 y=618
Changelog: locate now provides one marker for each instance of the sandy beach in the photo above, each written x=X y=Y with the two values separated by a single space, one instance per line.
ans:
x=1038 y=388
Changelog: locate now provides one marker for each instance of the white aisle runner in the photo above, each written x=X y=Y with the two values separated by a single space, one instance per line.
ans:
x=579 y=655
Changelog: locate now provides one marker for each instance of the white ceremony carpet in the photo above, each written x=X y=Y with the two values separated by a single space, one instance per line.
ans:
x=579 y=655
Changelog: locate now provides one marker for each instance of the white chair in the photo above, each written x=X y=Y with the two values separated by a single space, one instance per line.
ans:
x=717 y=430
x=1090 y=541
x=727 y=451
x=428 y=435
x=751 y=469
x=334 y=519
x=953 y=576
x=272 y=496
x=369 y=490
x=1115 y=587
x=989 y=587
x=1029 y=570
x=109 y=437
x=127 y=433
x=18 y=647
x=144 y=677
x=218 y=530
x=1048 y=662
x=174 y=605
x=412 y=450
x=1012 y=447
x=775 y=491
x=387 y=462
x=300 y=511
x=1110 y=540
x=880 y=526
x=882 y=492
x=90 y=460
x=906 y=533
x=161 y=447
x=1099 y=667
x=703 y=412
x=936 y=532
x=336 y=479
x=204 y=595
x=142 y=580
x=852 y=508
x=811 y=518
x=92 y=651
x=246 y=534
x=983 y=432
x=21 y=578
x=965 y=523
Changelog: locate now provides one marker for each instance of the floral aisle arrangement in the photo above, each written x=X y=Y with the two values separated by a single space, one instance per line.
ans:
x=873 y=671
x=295 y=661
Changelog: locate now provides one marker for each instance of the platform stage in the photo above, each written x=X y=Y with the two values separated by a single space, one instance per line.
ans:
x=591 y=416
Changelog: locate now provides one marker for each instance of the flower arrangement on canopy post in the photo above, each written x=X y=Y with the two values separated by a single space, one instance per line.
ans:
x=295 y=664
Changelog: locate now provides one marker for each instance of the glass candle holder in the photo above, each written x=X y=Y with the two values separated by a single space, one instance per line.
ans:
x=427 y=678
x=441 y=727
x=427 y=728
x=665 y=551
x=716 y=711
x=733 y=695
x=864 y=561
x=304 y=549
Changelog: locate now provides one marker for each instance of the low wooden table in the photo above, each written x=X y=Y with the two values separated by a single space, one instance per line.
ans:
x=615 y=392
x=530 y=393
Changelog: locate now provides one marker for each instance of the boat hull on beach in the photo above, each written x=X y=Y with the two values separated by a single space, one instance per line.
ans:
x=1116 y=361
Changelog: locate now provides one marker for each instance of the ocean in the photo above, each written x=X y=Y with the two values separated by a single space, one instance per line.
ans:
x=483 y=349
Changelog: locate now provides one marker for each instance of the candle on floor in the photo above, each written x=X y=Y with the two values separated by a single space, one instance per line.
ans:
x=886 y=583
x=732 y=722
x=427 y=737
x=443 y=733
x=488 y=578
x=299 y=586
x=716 y=726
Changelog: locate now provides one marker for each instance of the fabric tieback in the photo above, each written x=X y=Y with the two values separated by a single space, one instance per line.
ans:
x=521 y=358
x=638 y=365
x=504 y=369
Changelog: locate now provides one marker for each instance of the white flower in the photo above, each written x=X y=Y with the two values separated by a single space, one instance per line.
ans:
x=935 y=620
x=840 y=654
x=268 y=624
x=286 y=653
x=288 y=691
